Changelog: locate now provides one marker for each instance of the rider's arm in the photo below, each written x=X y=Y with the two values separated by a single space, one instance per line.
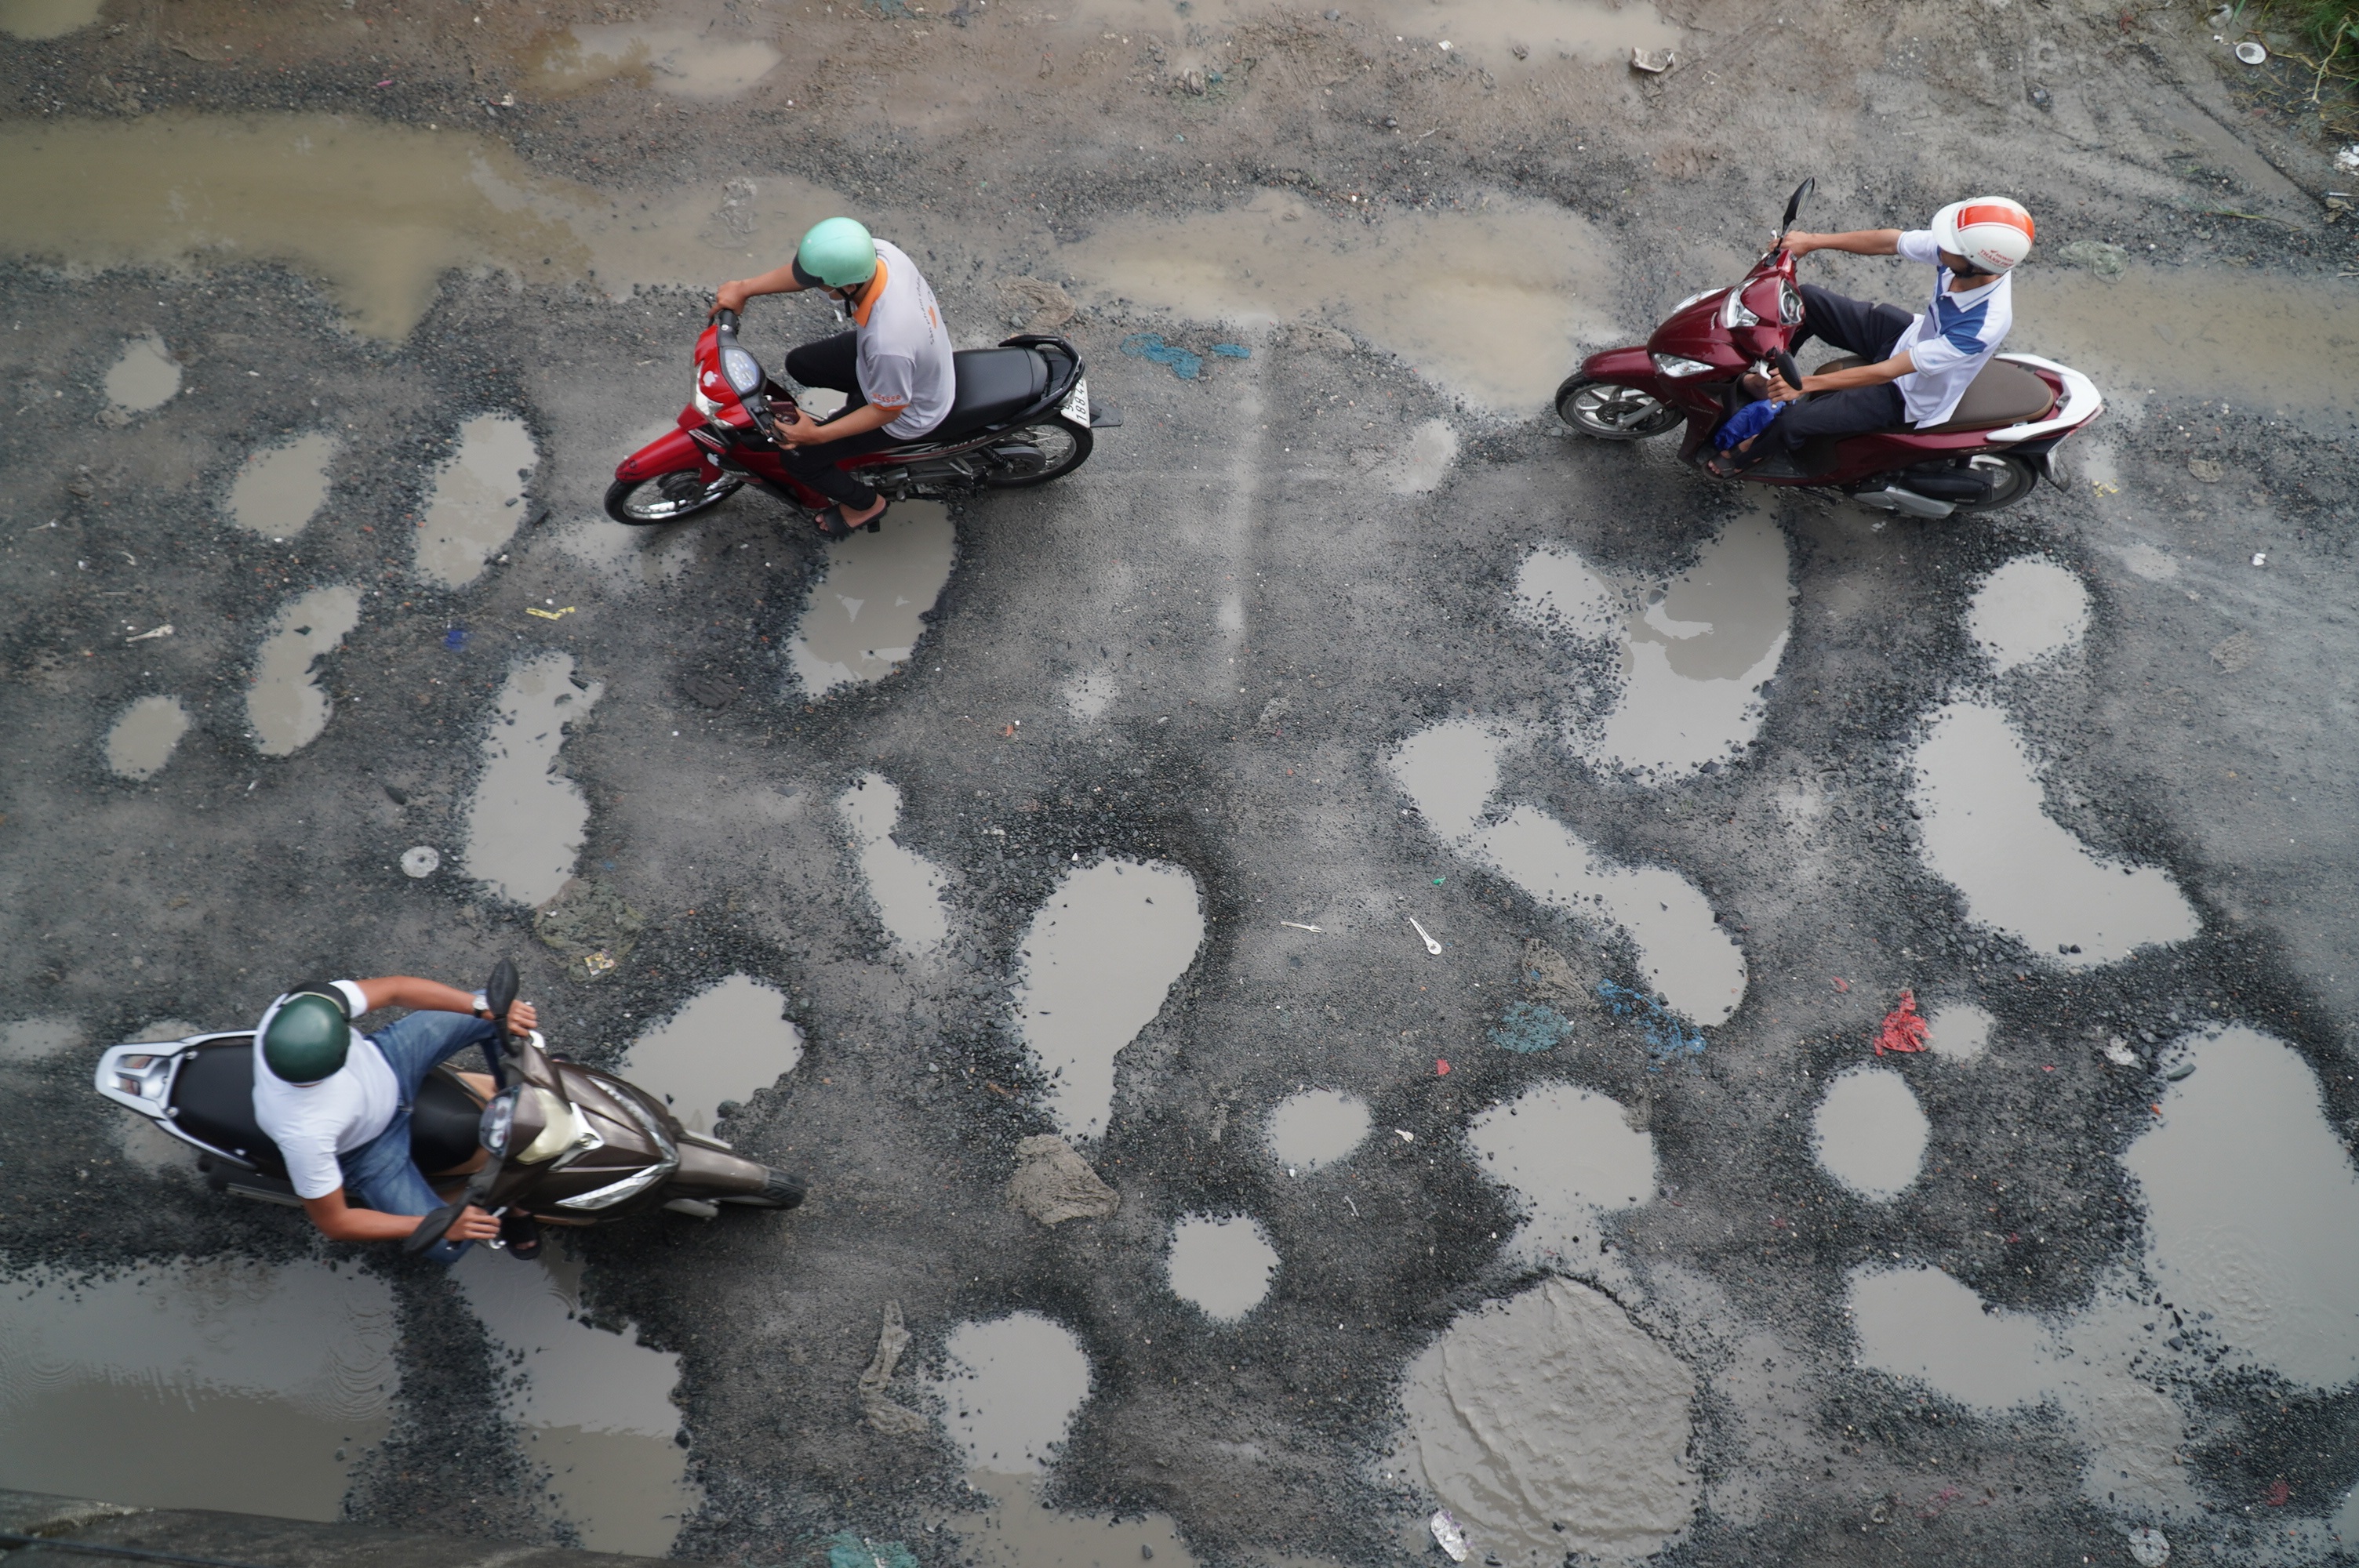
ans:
x=1858 y=242
x=734 y=294
x=339 y=1221
x=433 y=996
x=1893 y=369
x=867 y=417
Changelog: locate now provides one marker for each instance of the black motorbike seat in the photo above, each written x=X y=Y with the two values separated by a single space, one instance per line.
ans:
x=213 y=1094
x=993 y=384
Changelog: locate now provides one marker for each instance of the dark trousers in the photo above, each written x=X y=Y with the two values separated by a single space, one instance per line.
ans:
x=834 y=364
x=1871 y=331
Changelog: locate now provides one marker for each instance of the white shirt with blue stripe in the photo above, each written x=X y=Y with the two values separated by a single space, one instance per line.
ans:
x=1950 y=342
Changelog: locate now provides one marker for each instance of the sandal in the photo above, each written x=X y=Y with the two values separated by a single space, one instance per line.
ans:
x=832 y=526
x=522 y=1234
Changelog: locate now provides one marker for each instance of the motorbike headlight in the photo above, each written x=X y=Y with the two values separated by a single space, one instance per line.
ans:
x=744 y=370
x=499 y=1119
x=1675 y=366
x=1732 y=313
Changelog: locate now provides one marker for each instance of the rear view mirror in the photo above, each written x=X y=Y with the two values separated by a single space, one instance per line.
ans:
x=500 y=991
x=1794 y=204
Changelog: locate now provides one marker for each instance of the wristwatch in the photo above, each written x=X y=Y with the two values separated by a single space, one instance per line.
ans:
x=483 y=1005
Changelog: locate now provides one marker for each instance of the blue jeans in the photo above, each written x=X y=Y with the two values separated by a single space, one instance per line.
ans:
x=380 y=1174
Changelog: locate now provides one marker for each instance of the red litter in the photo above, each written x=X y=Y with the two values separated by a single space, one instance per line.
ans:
x=1842 y=984
x=1440 y=1068
x=1903 y=1029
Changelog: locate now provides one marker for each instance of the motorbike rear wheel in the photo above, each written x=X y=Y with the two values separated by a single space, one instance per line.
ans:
x=779 y=1190
x=1061 y=447
x=2011 y=479
x=1612 y=412
x=667 y=497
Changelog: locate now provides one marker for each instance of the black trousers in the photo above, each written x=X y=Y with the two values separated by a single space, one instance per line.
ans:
x=834 y=364
x=1871 y=331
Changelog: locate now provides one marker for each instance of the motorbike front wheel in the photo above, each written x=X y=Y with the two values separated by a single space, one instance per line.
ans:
x=1038 y=453
x=1612 y=412
x=667 y=497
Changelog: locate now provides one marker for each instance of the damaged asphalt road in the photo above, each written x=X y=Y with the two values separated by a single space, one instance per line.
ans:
x=1611 y=1232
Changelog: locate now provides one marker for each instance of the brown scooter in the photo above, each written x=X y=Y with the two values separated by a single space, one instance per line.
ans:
x=564 y=1143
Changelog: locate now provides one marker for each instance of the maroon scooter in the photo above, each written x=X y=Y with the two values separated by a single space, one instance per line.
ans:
x=1989 y=453
x=1020 y=416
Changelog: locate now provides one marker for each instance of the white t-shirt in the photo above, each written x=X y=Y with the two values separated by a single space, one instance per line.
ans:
x=1951 y=342
x=904 y=351
x=313 y=1123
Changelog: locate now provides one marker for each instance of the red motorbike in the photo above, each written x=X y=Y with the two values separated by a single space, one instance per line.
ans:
x=1988 y=454
x=1021 y=415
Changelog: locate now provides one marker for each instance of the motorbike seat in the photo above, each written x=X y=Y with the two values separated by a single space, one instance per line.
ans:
x=213 y=1094
x=2000 y=393
x=993 y=384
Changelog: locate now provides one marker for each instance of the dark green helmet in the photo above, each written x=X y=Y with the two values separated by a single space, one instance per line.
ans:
x=307 y=1038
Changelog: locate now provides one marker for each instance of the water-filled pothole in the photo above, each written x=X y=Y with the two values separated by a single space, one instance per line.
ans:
x=866 y=611
x=1316 y=1128
x=477 y=502
x=525 y=820
x=2029 y=609
x=1223 y=1265
x=285 y=704
x=142 y=740
x=1101 y=954
x=246 y=1386
x=280 y=489
x=1571 y=1155
x=143 y=376
x=722 y=1044
x=906 y=887
x=1869 y=1133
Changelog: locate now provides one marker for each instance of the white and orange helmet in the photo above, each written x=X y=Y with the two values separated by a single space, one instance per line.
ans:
x=1992 y=231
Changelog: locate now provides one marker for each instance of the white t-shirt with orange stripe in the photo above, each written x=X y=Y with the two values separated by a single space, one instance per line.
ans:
x=905 y=351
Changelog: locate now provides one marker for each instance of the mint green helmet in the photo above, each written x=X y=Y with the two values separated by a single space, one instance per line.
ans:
x=306 y=1039
x=836 y=254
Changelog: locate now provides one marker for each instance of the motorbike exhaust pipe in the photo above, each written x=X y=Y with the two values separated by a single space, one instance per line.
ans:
x=1908 y=503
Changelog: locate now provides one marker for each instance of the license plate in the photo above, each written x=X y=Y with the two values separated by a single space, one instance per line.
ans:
x=1076 y=405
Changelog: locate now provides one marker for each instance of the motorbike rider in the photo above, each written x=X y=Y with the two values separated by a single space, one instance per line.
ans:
x=1920 y=366
x=893 y=367
x=337 y=1103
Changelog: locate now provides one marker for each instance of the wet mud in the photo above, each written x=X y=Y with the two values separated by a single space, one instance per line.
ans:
x=684 y=60
x=142 y=740
x=46 y=19
x=239 y=1385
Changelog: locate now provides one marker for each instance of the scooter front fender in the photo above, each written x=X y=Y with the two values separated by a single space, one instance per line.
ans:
x=671 y=452
x=1624 y=367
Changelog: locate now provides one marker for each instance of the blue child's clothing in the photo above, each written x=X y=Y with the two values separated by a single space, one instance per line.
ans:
x=1746 y=423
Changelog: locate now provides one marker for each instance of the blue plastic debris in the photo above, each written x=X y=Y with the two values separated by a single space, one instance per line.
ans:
x=1232 y=351
x=1530 y=1028
x=1666 y=1033
x=845 y=1550
x=1186 y=363
x=455 y=638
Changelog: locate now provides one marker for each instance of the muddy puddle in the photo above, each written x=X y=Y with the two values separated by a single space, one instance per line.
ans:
x=2259 y=339
x=477 y=502
x=1695 y=649
x=1488 y=33
x=595 y=1407
x=377 y=213
x=1549 y=1423
x=1569 y=1155
x=525 y=819
x=1221 y=1264
x=280 y=489
x=676 y=62
x=1985 y=831
x=2029 y=609
x=2253 y=1209
x=1959 y=1030
x=246 y=1386
x=1869 y=1133
x=1451 y=771
x=906 y=887
x=285 y=704
x=1491 y=303
x=724 y=1043
x=1683 y=952
x=38 y=1039
x=1010 y=1388
x=1316 y=1128
x=144 y=375
x=36 y=19
x=1100 y=958
x=863 y=614
x=1919 y=1323
x=142 y=740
